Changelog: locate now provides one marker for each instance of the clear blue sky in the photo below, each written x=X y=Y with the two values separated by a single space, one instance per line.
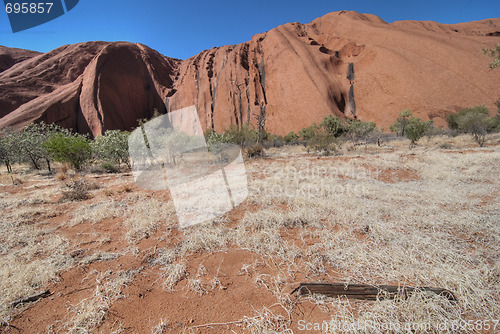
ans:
x=183 y=28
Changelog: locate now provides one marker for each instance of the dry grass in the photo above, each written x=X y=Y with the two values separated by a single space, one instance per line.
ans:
x=172 y=274
x=423 y=217
x=146 y=215
x=29 y=260
x=160 y=327
x=441 y=230
x=90 y=312
x=96 y=213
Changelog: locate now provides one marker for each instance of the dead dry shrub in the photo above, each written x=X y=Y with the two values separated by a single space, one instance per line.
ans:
x=255 y=151
x=77 y=188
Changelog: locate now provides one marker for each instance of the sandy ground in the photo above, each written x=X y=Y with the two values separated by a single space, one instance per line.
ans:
x=118 y=262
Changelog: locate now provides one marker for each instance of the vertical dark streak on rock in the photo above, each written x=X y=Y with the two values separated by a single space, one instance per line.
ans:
x=212 y=86
x=350 y=73
x=247 y=83
x=352 y=103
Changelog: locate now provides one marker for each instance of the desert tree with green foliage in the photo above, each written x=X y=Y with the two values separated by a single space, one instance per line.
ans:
x=495 y=54
x=399 y=126
x=334 y=125
x=410 y=126
x=474 y=121
x=112 y=148
x=416 y=129
x=290 y=137
x=322 y=142
x=9 y=148
x=309 y=132
x=71 y=148
x=31 y=140
x=358 y=130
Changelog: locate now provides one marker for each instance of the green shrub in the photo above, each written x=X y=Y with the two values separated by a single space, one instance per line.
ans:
x=416 y=129
x=309 y=132
x=359 y=130
x=410 y=126
x=290 y=137
x=323 y=143
x=74 y=149
x=112 y=148
x=334 y=126
x=31 y=140
x=474 y=121
x=401 y=122
x=9 y=148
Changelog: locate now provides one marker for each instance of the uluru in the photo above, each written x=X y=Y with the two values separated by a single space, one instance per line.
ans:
x=345 y=64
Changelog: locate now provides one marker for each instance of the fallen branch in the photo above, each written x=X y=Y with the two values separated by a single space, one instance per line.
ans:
x=366 y=292
x=30 y=299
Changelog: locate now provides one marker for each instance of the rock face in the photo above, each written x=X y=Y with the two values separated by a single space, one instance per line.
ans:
x=344 y=63
x=89 y=87
x=11 y=56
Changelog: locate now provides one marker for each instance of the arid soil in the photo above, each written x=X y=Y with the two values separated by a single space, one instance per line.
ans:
x=117 y=262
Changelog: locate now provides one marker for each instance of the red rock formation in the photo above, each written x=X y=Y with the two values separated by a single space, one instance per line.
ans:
x=11 y=56
x=283 y=80
x=89 y=87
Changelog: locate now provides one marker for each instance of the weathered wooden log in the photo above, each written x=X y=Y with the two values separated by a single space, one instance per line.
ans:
x=30 y=299
x=365 y=292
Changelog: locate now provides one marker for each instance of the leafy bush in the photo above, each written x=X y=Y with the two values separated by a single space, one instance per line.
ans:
x=416 y=129
x=74 y=149
x=243 y=137
x=323 y=143
x=290 y=137
x=410 y=126
x=474 y=121
x=358 y=130
x=9 y=148
x=31 y=140
x=112 y=148
x=335 y=126
x=309 y=132
x=401 y=122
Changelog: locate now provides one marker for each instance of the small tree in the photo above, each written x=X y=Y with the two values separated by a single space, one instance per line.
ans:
x=359 y=129
x=495 y=54
x=31 y=140
x=74 y=149
x=474 y=121
x=401 y=122
x=9 y=148
x=416 y=129
x=322 y=142
x=334 y=125
x=112 y=147
x=290 y=137
x=309 y=132
x=244 y=136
